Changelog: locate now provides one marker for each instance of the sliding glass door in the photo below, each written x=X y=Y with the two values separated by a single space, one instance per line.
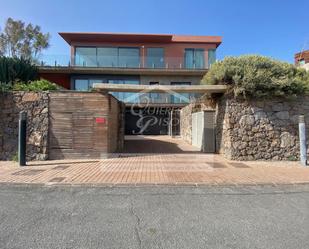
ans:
x=155 y=57
x=194 y=58
x=107 y=57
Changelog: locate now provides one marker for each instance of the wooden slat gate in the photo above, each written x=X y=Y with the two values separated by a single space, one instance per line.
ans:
x=73 y=130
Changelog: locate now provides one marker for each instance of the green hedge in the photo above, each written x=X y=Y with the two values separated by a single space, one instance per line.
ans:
x=16 y=69
x=253 y=76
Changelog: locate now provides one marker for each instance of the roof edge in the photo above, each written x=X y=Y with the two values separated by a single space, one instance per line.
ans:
x=70 y=37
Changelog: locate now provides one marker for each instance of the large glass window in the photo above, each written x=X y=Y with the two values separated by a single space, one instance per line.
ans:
x=154 y=97
x=92 y=81
x=107 y=57
x=82 y=84
x=86 y=84
x=177 y=98
x=194 y=58
x=129 y=57
x=86 y=56
x=125 y=96
x=211 y=57
x=155 y=57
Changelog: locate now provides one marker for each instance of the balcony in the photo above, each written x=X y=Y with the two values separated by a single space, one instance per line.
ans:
x=127 y=62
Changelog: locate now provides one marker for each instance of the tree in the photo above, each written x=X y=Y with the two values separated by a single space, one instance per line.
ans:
x=253 y=76
x=22 y=41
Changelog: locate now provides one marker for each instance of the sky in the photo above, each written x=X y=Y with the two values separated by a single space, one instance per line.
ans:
x=275 y=28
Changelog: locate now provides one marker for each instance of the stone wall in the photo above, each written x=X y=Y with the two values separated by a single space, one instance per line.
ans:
x=62 y=124
x=36 y=106
x=201 y=104
x=254 y=130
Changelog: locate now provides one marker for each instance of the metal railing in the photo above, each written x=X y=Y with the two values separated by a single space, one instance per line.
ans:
x=124 y=62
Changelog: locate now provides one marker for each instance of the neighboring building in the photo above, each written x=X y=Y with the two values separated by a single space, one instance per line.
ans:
x=147 y=59
x=302 y=59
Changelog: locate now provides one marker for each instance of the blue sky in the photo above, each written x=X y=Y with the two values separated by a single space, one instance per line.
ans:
x=276 y=28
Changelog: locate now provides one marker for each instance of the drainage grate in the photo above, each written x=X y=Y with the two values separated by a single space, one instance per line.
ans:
x=239 y=165
x=28 y=172
x=60 y=167
x=216 y=165
x=57 y=179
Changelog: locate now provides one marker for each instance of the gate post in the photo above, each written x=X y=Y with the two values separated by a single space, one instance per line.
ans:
x=22 y=133
x=302 y=140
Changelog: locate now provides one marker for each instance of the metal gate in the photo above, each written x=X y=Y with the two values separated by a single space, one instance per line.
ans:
x=203 y=131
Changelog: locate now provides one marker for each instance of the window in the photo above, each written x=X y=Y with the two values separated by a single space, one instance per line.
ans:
x=211 y=57
x=125 y=96
x=86 y=56
x=129 y=57
x=82 y=84
x=154 y=96
x=177 y=98
x=301 y=62
x=194 y=58
x=85 y=84
x=155 y=57
x=91 y=81
x=107 y=57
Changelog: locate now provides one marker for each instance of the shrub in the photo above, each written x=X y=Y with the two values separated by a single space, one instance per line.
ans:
x=16 y=69
x=253 y=76
x=5 y=87
x=38 y=85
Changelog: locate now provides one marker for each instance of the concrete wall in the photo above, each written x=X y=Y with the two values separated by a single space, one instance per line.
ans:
x=36 y=105
x=254 y=130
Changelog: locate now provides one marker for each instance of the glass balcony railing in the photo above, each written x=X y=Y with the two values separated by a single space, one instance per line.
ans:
x=156 y=98
x=124 y=62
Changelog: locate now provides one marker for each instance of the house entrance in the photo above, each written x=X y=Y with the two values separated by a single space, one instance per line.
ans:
x=152 y=121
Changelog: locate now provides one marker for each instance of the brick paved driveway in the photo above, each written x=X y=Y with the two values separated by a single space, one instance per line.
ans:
x=160 y=160
x=155 y=169
x=157 y=144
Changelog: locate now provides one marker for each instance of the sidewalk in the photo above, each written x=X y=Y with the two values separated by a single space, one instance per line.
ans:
x=169 y=169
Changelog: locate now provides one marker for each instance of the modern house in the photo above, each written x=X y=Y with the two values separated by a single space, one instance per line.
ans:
x=302 y=59
x=143 y=59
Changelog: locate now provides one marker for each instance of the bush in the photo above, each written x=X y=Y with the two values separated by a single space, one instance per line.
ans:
x=253 y=76
x=16 y=69
x=5 y=87
x=38 y=85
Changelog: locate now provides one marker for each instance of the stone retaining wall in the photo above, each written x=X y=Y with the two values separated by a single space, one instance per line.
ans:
x=255 y=130
x=62 y=124
x=201 y=104
x=36 y=106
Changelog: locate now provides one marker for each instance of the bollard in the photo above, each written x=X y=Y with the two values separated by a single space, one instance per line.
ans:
x=22 y=133
x=302 y=140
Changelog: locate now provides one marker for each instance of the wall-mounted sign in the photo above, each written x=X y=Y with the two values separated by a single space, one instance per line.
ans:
x=100 y=120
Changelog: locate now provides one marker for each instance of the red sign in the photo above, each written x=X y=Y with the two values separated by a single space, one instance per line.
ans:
x=100 y=120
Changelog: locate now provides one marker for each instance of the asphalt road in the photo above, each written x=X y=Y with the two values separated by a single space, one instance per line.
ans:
x=154 y=217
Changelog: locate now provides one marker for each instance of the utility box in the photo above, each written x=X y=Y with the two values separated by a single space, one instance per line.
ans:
x=203 y=131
